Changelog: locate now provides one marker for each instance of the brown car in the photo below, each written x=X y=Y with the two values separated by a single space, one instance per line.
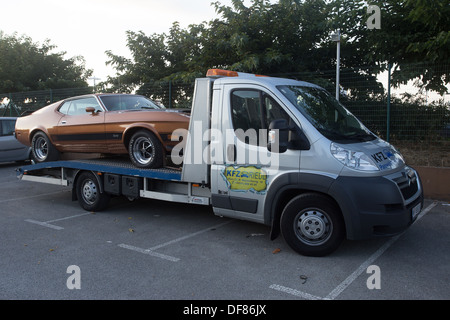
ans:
x=102 y=123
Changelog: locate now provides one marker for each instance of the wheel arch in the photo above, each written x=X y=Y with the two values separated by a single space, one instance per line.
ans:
x=287 y=187
x=128 y=133
x=76 y=174
x=36 y=130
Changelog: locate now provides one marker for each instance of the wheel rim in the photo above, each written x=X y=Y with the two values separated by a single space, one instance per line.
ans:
x=89 y=191
x=143 y=150
x=313 y=226
x=41 y=148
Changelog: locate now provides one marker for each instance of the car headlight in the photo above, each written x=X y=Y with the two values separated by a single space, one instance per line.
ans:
x=353 y=159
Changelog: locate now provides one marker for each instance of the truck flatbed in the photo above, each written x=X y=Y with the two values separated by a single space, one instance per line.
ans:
x=110 y=165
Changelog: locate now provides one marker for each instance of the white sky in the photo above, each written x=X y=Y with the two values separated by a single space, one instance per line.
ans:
x=90 y=27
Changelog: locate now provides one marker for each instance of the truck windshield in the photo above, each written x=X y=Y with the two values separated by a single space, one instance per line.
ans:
x=327 y=115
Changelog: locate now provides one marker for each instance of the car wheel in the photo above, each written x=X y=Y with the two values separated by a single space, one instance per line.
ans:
x=312 y=225
x=145 y=150
x=42 y=149
x=88 y=193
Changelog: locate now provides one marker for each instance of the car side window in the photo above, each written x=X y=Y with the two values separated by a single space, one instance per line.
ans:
x=7 y=127
x=78 y=106
x=65 y=107
x=253 y=109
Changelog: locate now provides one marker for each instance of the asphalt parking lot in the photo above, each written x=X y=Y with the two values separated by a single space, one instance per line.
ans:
x=155 y=250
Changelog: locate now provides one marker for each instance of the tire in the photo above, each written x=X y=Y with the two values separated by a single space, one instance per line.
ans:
x=88 y=193
x=145 y=150
x=42 y=150
x=312 y=225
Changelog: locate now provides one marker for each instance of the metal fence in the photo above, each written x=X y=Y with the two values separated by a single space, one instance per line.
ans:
x=416 y=121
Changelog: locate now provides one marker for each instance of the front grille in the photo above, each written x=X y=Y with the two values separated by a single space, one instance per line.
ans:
x=407 y=184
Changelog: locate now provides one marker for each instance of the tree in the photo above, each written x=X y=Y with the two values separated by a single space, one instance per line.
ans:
x=293 y=38
x=262 y=38
x=414 y=37
x=25 y=66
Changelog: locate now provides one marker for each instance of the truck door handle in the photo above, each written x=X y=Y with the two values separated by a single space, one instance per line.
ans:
x=231 y=153
x=63 y=122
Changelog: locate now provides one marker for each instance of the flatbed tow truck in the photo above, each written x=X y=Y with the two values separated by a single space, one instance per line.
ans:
x=275 y=151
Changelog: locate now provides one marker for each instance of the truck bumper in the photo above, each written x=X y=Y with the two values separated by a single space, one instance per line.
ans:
x=379 y=206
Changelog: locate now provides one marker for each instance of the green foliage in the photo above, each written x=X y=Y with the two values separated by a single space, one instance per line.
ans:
x=293 y=37
x=262 y=38
x=412 y=32
x=25 y=66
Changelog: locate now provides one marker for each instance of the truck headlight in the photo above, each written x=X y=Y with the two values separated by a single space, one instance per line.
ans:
x=353 y=159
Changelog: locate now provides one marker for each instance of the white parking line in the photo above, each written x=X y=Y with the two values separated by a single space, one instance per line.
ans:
x=294 y=292
x=48 y=225
x=151 y=251
x=31 y=197
x=44 y=224
x=189 y=235
x=355 y=274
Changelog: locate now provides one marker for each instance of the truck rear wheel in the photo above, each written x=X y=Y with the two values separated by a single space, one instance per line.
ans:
x=312 y=225
x=88 y=193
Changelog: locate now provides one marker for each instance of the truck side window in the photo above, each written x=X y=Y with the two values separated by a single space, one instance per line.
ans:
x=246 y=109
x=253 y=109
x=273 y=111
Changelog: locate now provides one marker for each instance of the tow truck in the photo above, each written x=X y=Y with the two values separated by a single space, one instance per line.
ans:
x=275 y=151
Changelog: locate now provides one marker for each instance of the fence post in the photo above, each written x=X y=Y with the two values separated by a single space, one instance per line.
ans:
x=9 y=105
x=170 y=94
x=388 y=120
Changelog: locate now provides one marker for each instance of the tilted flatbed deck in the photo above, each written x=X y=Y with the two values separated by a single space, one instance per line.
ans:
x=106 y=165
x=117 y=176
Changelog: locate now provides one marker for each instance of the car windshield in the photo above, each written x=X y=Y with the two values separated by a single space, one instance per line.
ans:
x=327 y=115
x=128 y=102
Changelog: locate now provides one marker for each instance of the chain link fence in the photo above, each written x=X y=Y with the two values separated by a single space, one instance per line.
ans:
x=414 y=120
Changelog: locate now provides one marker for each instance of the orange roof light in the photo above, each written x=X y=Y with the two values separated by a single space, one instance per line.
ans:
x=221 y=73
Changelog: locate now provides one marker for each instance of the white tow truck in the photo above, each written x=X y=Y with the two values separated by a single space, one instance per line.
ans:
x=275 y=151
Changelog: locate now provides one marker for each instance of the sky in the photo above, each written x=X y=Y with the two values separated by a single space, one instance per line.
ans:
x=88 y=28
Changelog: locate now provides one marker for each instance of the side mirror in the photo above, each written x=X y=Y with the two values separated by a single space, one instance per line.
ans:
x=92 y=110
x=283 y=136
x=278 y=139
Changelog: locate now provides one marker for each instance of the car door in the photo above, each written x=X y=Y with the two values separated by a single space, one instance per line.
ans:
x=10 y=148
x=79 y=130
x=248 y=167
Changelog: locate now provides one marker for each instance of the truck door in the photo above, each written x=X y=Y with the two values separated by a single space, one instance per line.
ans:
x=247 y=168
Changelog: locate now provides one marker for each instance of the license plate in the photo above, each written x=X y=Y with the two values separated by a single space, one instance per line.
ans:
x=416 y=210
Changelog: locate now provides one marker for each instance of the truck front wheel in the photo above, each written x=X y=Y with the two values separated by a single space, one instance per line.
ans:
x=88 y=193
x=312 y=225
